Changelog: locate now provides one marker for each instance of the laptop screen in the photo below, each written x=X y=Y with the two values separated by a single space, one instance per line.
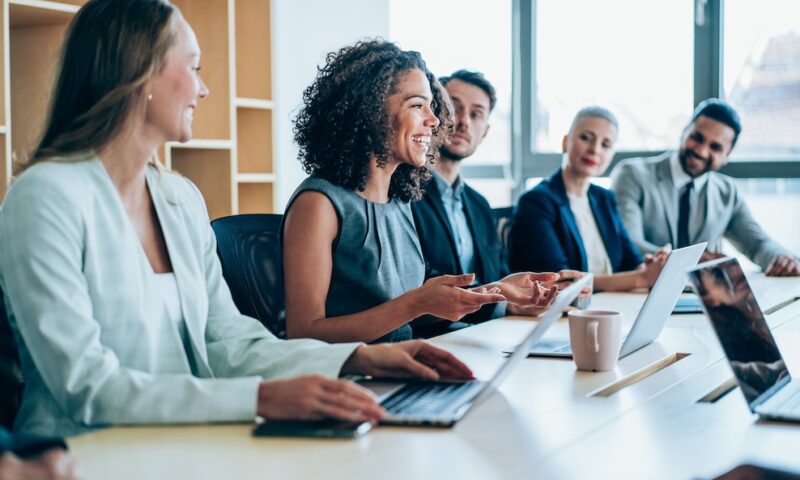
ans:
x=742 y=330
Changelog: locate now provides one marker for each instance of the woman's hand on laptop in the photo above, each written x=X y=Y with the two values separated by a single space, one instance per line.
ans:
x=314 y=397
x=413 y=358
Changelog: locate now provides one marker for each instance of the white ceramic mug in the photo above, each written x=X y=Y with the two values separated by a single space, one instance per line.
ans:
x=595 y=337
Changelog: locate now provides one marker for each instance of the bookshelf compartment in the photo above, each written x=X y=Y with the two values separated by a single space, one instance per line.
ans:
x=34 y=54
x=209 y=20
x=254 y=140
x=253 y=47
x=210 y=170
x=256 y=198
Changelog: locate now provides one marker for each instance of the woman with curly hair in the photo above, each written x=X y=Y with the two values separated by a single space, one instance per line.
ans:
x=353 y=268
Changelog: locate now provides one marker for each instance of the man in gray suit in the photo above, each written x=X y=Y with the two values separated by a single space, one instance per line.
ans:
x=679 y=198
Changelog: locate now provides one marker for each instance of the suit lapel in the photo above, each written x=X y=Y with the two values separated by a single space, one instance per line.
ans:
x=477 y=240
x=560 y=191
x=666 y=188
x=713 y=203
x=179 y=248
x=605 y=224
x=434 y=196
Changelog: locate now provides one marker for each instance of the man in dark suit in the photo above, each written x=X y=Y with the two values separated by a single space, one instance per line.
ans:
x=454 y=222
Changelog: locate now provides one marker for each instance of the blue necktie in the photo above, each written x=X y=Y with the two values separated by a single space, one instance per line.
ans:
x=683 y=215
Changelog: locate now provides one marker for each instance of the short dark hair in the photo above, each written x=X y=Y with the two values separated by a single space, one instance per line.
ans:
x=344 y=120
x=474 y=78
x=721 y=111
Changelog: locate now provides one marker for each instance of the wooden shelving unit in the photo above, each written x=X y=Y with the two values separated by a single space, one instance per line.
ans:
x=231 y=155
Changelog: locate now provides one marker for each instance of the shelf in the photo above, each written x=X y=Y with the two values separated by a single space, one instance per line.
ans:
x=253 y=47
x=39 y=13
x=256 y=198
x=254 y=103
x=210 y=170
x=254 y=140
x=255 y=178
x=204 y=144
x=209 y=19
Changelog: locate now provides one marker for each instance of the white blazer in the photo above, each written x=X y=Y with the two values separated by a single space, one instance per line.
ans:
x=97 y=345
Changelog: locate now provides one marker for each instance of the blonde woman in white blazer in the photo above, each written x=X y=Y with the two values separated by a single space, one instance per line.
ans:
x=113 y=287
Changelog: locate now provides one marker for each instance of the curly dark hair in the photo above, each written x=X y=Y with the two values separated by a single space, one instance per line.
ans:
x=344 y=120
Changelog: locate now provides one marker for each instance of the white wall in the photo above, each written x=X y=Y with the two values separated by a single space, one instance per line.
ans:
x=303 y=32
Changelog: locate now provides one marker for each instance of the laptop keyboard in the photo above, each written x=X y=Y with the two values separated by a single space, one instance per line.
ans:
x=424 y=398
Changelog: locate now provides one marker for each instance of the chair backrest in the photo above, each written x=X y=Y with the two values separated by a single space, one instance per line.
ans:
x=249 y=248
x=11 y=381
x=502 y=218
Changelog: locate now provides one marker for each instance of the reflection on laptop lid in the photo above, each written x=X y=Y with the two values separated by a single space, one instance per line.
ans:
x=742 y=329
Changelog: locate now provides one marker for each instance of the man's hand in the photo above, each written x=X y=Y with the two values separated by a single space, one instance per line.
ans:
x=528 y=289
x=708 y=256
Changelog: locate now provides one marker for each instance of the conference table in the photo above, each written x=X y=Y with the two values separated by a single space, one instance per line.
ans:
x=668 y=410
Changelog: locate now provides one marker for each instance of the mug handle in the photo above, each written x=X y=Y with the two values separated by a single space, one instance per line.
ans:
x=592 y=342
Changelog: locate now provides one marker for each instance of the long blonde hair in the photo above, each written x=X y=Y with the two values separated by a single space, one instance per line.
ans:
x=112 y=49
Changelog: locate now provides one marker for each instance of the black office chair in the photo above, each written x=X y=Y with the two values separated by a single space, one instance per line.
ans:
x=11 y=380
x=502 y=218
x=249 y=248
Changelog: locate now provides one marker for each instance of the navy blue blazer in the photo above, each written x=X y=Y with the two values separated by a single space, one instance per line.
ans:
x=544 y=236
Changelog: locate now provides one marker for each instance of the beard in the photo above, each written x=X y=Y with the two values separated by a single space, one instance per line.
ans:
x=683 y=157
x=447 y=154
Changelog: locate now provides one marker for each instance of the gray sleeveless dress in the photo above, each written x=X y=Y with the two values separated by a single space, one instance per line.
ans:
x=376 y=253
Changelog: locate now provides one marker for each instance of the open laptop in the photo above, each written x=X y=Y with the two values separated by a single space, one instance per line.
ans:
x=443 y=403
x=654 y=313
x=746 y=340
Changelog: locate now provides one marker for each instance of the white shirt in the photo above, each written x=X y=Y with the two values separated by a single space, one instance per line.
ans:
x=593 y=244
x=697 y=202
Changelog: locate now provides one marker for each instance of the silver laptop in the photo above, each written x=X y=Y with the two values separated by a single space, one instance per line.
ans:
x=443 y=403
x=746 y=340
x=654 y=313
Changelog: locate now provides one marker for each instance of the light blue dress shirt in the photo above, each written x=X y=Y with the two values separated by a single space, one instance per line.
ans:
x=453 y=200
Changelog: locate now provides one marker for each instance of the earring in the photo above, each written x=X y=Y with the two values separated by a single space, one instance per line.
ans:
x=149 y=97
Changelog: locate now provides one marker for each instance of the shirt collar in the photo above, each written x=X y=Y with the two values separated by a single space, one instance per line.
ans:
x=681 y=178
x=445 y=189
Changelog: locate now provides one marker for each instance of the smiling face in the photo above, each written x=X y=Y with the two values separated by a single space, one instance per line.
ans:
x=412 y=119
x=174 y=92
x=472 y=107
x=590 y=146
x=705 y=146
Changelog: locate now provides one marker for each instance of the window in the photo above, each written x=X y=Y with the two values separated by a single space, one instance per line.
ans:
x=589 y=53
x=472 y=34
x=761 y=68
x=592 y=53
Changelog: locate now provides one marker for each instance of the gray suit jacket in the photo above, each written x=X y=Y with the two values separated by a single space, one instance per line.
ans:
x=97 y=345
x=648 y=202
